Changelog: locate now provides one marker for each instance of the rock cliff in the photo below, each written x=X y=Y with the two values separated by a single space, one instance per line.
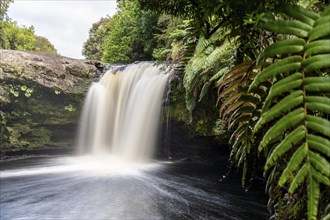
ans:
x=41 y=95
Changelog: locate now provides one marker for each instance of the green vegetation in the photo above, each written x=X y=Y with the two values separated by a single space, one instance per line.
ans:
x=132 y=34
x=257 y=71
x=13 y=37
x=296 y=108
x=93 y=47
x=277 y=103
x=264 y=66
x=126 y=37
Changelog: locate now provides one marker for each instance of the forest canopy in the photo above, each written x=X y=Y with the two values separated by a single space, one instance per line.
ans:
x=14 y=37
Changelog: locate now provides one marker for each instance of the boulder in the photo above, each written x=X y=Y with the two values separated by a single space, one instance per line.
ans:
x=41 y=96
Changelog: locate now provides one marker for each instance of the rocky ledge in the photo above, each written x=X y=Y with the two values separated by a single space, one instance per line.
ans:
x=41 y=95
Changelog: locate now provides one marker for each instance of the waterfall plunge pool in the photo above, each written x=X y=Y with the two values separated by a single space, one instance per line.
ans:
x=77 y=188
x=121 y=117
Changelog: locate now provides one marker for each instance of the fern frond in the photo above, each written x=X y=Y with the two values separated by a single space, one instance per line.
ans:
x=281 y=126
x=207 y=59
x=297 y=106
x=290 y=140
x=293 y=164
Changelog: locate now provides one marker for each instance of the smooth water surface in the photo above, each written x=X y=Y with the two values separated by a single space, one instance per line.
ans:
x=84 y=188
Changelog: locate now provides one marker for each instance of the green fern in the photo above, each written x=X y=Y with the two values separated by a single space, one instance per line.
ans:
x=297 y=106
x=189 y=44
x=240 y=109
x=212 y=55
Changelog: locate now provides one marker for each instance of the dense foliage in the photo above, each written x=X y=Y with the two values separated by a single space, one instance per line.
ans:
x=4 y=4
x=14 y=37
x=269 y=61
x=297 y=105
x=93 y=47
x=126 y=37
x=263 y=65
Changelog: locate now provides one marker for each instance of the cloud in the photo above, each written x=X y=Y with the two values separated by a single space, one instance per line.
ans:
x=64 y=23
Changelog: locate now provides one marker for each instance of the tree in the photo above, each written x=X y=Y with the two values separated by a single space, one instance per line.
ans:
x=14 y=37
x=132 y=34
x=43 y=44
x=4 y=4
x=93 y=47
x=117 y=44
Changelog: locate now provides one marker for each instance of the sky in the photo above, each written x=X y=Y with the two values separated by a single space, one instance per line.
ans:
x=65 y=23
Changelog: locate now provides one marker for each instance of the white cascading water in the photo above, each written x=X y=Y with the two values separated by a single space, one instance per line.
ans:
x=121 y=113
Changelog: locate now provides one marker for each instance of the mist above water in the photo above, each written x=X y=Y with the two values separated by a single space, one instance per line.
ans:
x=121 y=113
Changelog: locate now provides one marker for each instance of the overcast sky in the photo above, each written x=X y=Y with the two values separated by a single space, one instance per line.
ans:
x=64 y=22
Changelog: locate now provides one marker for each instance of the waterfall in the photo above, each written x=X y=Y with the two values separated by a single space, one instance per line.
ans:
x=121 y=113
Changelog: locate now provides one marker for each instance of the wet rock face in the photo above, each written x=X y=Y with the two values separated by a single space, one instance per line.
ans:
x=41 y=95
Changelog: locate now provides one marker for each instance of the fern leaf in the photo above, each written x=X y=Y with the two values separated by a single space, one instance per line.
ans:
x=321 y=29
x=283 y=47
x=293 y=164
x=249 y=98
x=229 y=100
x=326 y=11
x=244 y=109
x=204 y=90
x=290 y=140
x=309 y=123
x=317 y=47
x=238 y=131
x=316 y=62
x=318 y=124
x=301 y=14
x=321 y=164
x=220 y=73
x=319 y=143
x=285 y=105
x=241 y=118
x=286 y=65
x=321 y=21
x=320 y=178
x=232 y=87
x=293 y=27
x=318 y=103
x=233 y=108
x=190 y=103
x=285 y=85
x=286 y=122
x=299 y=178
x=313 y=194
x=202 y=44
x=238 y=72
x=317 y=84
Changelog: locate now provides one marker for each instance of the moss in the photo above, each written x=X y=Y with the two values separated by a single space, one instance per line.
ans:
x=79 y=90
x=4 y=96
x=15 y=133
x=38 y=137
x=204 y=117
x=32 y=122
x=41 y=97
x=23 y=137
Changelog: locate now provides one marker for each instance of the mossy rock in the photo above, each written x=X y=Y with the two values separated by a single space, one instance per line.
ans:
x=41 y=97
